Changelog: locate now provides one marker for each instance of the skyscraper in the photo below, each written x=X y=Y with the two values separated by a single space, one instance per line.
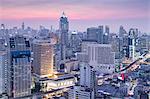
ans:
x=122 y=32
x=64 y=27
x=3 y=72
x=95 y=34
x=87 y=75
x=43 y=58
x=100 y=56
x=100 y=34
x=133 y=34
x=2 y=31
x=20 y=66
x=23 y=26
x=92 y=33
x=106 y=35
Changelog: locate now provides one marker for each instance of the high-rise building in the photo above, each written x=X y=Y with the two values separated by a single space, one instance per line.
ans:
x=23 y=26
x=75 y=42
x=122 y=32
x=43 y=58
x=19 y=66
x=2 y=31
x=100 y=34
x=87 y=76
x=64 y=27
x=100 y=56
x=106 y=35
x=3 y=72
x=95 y=34
x=143 y=44
x=86 y=88
x=92 y=33
x=132 y=43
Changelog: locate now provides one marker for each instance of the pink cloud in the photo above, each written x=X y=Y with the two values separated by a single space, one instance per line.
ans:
x=73 y=12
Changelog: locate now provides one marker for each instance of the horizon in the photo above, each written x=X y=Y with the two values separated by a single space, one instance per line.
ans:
x=130 y=14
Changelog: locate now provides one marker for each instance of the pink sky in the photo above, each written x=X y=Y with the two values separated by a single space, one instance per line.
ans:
x=38 y=10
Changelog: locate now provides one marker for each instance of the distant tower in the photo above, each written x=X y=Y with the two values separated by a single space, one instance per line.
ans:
x=107 y=29
x=64 y=27
x=100 y=34
x=95 y=34
x=23 y=26
x=2 y=26
x=2 y=31
x=122 y=32
x=106 y=35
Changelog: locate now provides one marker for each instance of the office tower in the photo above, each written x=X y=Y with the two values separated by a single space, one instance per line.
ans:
x=2 y=31
x=95 y=34
x=23 y=26
x=133 y=34
x=100 y=34
x=87 y=75
x=64 y=27
x=43 y=32
x=143 y=44
x=107 y=29
x=132 y=43
x=106 y=35
x=3 y=73
x=75 y=42
x=114 y=41
x=92 y=33
x=100 y=56
x=20 y=66
x=86 y=88
x=122 y=32
x=2 y=44
x=42 y=57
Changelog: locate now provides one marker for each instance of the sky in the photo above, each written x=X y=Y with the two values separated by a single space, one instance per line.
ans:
x=81 y=13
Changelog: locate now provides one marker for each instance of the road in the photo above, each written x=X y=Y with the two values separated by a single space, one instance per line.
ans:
x=127 y=68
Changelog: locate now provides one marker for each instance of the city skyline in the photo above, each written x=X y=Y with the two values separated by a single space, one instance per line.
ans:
x=114 y=13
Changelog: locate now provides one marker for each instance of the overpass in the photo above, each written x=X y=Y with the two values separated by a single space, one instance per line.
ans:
x=128 y=68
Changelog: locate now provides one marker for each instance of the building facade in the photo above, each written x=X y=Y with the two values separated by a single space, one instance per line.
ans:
x=19 y=66
x=100 y=56
x=43 y=58
x=64 y=28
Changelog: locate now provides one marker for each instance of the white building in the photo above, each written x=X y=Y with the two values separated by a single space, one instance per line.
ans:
x=79 y=92
x=87 y=76
x=100 y=56
x=57 y=82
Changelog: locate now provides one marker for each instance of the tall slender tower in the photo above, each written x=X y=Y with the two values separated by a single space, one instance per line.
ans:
x=23 y=26
x=64 y=27
x=106 y=35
